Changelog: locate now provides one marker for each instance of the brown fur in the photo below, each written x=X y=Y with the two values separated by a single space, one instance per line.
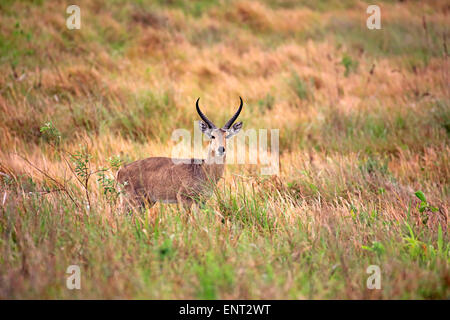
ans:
x=162 y=179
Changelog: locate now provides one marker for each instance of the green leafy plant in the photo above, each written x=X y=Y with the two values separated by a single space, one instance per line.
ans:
x=349 y=64
x=81 y=161
x=376 y=247
x=424 y=205
x=109 y=185
x=50 y=133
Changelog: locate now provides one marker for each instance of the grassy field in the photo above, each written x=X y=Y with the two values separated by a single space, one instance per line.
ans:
x=364 y=119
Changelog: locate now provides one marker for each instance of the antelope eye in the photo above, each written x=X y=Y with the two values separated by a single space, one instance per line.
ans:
x=212 y=137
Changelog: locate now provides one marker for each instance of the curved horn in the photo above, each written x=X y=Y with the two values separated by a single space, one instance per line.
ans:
x=230 y=122
x=204 y=118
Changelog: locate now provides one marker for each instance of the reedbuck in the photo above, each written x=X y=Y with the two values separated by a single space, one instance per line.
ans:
x=182 y=181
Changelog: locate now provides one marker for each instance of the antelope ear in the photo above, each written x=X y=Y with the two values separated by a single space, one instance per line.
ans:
x=234 y=129
x=204 y=128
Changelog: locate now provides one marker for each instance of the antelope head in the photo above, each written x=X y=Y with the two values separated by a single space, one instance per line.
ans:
x=219 y=136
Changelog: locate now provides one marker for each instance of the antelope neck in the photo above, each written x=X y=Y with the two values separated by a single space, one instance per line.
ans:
x=213 y=169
